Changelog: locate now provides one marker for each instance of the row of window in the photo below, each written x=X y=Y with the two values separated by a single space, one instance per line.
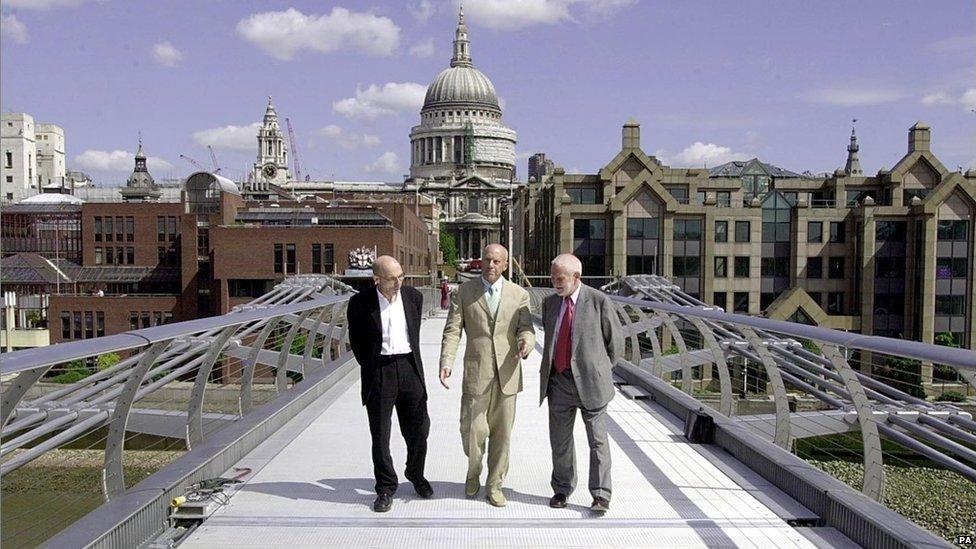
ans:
x=167 y=228
x=115 y=229
x=147 y=319
x=118 y=255
x=740 y=301
x=82 y=324
x=323 y=258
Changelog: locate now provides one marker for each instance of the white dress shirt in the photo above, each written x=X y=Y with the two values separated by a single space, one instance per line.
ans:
x=394 y=323
x=562 y=307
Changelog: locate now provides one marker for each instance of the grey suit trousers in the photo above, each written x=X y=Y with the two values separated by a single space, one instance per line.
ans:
x=563 y=401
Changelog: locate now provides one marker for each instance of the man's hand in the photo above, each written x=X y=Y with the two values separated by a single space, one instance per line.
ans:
x=523 y=349
x=444 y=374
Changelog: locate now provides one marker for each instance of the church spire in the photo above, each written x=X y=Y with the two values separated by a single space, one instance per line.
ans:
x=853 y=166
x=462 y=48
x=270 y=115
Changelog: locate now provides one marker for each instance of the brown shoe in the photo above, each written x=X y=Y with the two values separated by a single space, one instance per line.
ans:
x=600 y=505
x=497 y=498
x=558 y=501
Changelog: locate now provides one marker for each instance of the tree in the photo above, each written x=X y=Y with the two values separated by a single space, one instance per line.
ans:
x=106 y=361
x=448 y=248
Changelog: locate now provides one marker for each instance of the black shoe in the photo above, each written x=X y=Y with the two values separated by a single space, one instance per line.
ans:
x=558 y=501
x=383 y=503
x=423 y=489
x=600 y=505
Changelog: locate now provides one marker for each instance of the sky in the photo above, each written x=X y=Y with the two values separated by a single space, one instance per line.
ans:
x=709 y=81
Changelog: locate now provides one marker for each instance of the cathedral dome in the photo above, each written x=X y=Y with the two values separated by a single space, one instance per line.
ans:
x=461 y=86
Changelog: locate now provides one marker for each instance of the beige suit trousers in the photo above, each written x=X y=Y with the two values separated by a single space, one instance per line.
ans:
x=488 y=417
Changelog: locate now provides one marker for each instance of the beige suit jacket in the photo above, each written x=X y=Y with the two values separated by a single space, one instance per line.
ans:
x=491 y=342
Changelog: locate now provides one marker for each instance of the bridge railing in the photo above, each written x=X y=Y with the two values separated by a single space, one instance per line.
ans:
x=172 y=387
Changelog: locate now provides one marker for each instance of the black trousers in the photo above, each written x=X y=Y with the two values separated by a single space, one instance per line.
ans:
x=398 y=387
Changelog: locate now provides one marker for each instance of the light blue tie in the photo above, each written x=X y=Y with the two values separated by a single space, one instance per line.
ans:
x=493 y=298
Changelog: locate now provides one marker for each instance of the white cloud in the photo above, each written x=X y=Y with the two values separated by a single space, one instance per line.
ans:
x=938 y=98
x=12 y=29
x=284 y=33
x=422 y=11
x=701 y=154
x=116 y=161
x=376 y=101
x=852 y=96
x=968 y=99
x=239 y=138
x=423 y=49
x=40 y=4
x=519 y=14
x=166 y=54
x=954 y=44
x=348 y=140
x=388 y=162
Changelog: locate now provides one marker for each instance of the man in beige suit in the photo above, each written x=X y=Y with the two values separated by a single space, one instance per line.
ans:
x=494 y=315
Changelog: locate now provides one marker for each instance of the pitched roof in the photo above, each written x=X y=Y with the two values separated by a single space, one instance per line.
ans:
x=736 y=167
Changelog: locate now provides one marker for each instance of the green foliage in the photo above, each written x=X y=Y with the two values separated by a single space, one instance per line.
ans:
x=75 y=370
x=810 y=346
x=903 y=374
x=951 y=396
x=942 y=371
x=448 y=248
x=105 y=362
x=672 y=350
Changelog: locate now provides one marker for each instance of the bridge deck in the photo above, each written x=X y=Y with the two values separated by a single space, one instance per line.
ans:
x=311 y=485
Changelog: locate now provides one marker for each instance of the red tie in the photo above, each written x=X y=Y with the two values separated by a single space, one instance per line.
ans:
x=564 y=340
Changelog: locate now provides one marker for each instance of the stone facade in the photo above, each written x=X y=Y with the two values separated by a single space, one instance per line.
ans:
x=889 y=254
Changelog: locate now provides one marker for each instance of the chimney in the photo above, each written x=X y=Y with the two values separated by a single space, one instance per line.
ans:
x=631 y=135
x=919 y=137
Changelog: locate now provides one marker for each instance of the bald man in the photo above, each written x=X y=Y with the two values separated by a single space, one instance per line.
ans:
x=384 y=333
x=583 y=341
x=494 y=315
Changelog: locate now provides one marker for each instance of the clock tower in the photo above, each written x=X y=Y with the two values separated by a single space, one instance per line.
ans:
x=272 y=161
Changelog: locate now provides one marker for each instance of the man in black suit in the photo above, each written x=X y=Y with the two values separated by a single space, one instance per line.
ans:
x=384 y=333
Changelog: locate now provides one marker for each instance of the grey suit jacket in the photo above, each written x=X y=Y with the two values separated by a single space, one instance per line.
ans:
x=597 y=342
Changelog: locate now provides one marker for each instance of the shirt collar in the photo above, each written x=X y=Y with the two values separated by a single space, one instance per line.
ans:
x=575 y=295
x=497 y=286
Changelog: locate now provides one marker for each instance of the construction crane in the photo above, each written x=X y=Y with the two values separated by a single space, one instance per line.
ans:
x=213 y=158
x=294 y=150
x=194 y=163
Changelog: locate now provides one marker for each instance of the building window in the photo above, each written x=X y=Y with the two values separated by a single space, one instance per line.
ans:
x=160 y=229
x=837 y=233
x=590 y=245
x=835 y=268
x=766 y=299
x=89 y=325
x=130 y=229
x=65 y=325
x=817 y=298
x=8 y=159
x=776 y=215
x=642 y=245
x=171 y=225
x=120 y=229
x=721 y=231
x=742 y=267
x=76 y=332
x=120 y=255
x=98 y=229
x=687 y=229
x=742 y=229
x=133 y=320
x=290 y=259
x=98 y=256
x=100 y=324
x=814 y=267
x=586 y=195
x=723 y=199
x=953 y=230
x=835 y=303
x=686 y=266
x=950 y=305
x=473 y=204
x=754 y=186
x=279 y=258
x=699 y=198
x=740 y=302
x=109 y=228
x=317 y=258
x=891 y=231
x=328 y=258
x=721 y=267
x=109 y=256
x=680 y=193
x=130 y=255
x=815 y=231
x=775 y=267
x=720 y=299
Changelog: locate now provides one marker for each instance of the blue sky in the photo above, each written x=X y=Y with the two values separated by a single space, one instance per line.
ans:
x=708 y=81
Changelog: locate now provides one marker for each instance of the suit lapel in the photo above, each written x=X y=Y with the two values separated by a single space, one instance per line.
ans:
x=553 y=305
x=577 y=310
x=375 y=310
x=482 y=300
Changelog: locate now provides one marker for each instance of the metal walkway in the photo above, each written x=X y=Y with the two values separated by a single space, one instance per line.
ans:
x=311 y=484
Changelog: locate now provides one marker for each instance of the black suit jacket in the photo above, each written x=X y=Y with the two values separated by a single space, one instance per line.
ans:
x=366 y=333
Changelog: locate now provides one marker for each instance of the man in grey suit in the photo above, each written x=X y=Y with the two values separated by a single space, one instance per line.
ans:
x=583 y=341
